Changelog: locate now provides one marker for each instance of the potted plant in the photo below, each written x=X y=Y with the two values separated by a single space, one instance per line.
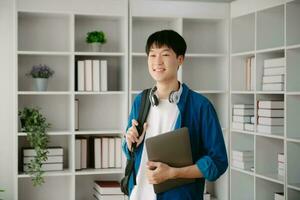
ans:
x=40 y=73
x=35 y=125
x=96 y=39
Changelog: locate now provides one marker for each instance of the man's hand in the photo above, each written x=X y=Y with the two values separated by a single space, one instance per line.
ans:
x=159 y=172
x=132 y=135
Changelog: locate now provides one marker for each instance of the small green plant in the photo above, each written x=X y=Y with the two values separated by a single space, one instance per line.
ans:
x=96 y=37
x=40 y=71
x=35 y=125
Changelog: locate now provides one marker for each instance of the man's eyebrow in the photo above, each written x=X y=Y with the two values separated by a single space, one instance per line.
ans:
x=165 y=49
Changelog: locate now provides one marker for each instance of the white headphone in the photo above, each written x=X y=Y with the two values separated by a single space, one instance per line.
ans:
x=174 y=96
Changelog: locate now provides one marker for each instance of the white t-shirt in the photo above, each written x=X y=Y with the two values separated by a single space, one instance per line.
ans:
x=161 y=118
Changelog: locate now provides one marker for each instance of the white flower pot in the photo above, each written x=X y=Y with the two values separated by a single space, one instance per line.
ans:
x=96 y=47
x=41 y=84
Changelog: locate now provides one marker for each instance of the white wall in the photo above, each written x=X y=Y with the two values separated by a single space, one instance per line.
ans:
x=6 y=98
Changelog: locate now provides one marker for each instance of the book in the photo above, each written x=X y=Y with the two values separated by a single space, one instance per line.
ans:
x=97 y=150
x=47 y=167
x=273 y=79
x=98 y=196
x=281 y=165
x=270 y=129
x=274 y=71
x=243 y=106
x=252 y=81
x=281 y=172
x=105 y=152
x=242 y=165
x=249 y=127
x=274 y=62
x=77 y=154
x=236 y=153
x=270 y=113
x=281 y=157
x=107 y=187
x=76 y=114
x=252 y=120
x=271 y=104
x=83 y=153
x=80 y=75
x=238 y=125
x=111 y=151
x=273 y=87
x=206 y=196
x=103 y=72
x=242 y=119
x=88 y=72
x=248 y=74
x=52 y=151
x=96 y=75
x=118 y=142
x=50 y=159
x=91 y=152
x=279 y=196
x=278 y=121
x=243 y=112
x=243 y=158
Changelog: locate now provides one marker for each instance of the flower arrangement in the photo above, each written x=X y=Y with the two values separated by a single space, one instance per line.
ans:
x=96 y=37
x=41 y=71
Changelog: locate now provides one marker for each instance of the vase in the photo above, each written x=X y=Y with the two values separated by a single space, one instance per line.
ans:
x=41 y=84
x=96 y=46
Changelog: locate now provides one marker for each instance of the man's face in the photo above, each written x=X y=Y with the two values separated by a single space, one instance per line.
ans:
x=163 y=63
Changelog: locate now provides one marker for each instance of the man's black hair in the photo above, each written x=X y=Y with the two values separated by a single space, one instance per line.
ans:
x=168 y=38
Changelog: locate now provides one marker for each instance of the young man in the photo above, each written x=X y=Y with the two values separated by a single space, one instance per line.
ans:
x=166 y=50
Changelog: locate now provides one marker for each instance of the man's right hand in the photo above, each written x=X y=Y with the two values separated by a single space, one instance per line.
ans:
x=132 y=135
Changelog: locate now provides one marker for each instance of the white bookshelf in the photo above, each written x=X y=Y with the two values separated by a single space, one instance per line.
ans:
x=265 y=29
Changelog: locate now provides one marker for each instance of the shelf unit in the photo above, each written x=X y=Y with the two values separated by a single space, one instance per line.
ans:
x=55 y=35
x=265 y=29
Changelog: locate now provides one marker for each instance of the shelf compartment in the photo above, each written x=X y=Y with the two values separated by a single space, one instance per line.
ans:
x=213 y=35
x=270 y=27
x=293 y=164
x=266 y=157
x=293 y=194
x=60 y=188
x=101 y=118
x=140 y=76
x=292 y=23
x=238 y=72
x=292 y=116
x=266 y=189
x=84 y=184
x=50 y=32
x=242 y=186
x=63 y=141
x=60 y=81
x=143 y=27
x=51 y=107
x=205 y=73
x=116 y=71
x=112 y=26
x=260 y=58
x=243 y=33
x=293 y=70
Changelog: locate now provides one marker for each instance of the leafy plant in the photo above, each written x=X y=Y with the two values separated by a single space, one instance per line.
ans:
x=96 y=36
x=41 y=71
x=35 y=125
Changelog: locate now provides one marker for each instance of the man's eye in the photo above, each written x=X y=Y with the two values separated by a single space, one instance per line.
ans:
x=165 y=54
x=152 y=55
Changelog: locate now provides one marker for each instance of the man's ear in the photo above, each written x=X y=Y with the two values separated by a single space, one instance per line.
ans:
x=180 y=59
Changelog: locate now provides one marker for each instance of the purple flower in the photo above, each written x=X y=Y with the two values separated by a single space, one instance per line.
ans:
x=41 y=71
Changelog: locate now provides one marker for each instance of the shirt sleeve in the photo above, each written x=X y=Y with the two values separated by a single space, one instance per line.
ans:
x=214 y=162
x=133 y=115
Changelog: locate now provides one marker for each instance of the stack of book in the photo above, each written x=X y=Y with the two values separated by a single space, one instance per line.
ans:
x=273 y=78
x=249 y=73
x=53 y=163
x=243 y=116
x=279 y=196
x=91 y=75
x=98 y=152
x=107 y=190
x=270 y=117
x=281 y=164
x=243 y=159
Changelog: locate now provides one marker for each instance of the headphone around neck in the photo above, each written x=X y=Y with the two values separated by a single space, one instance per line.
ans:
x=174 y=96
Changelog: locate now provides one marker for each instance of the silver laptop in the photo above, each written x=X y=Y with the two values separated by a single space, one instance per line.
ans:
x=174 y=149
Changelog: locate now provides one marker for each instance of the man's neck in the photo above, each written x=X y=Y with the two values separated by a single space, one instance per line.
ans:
x=164 y=89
